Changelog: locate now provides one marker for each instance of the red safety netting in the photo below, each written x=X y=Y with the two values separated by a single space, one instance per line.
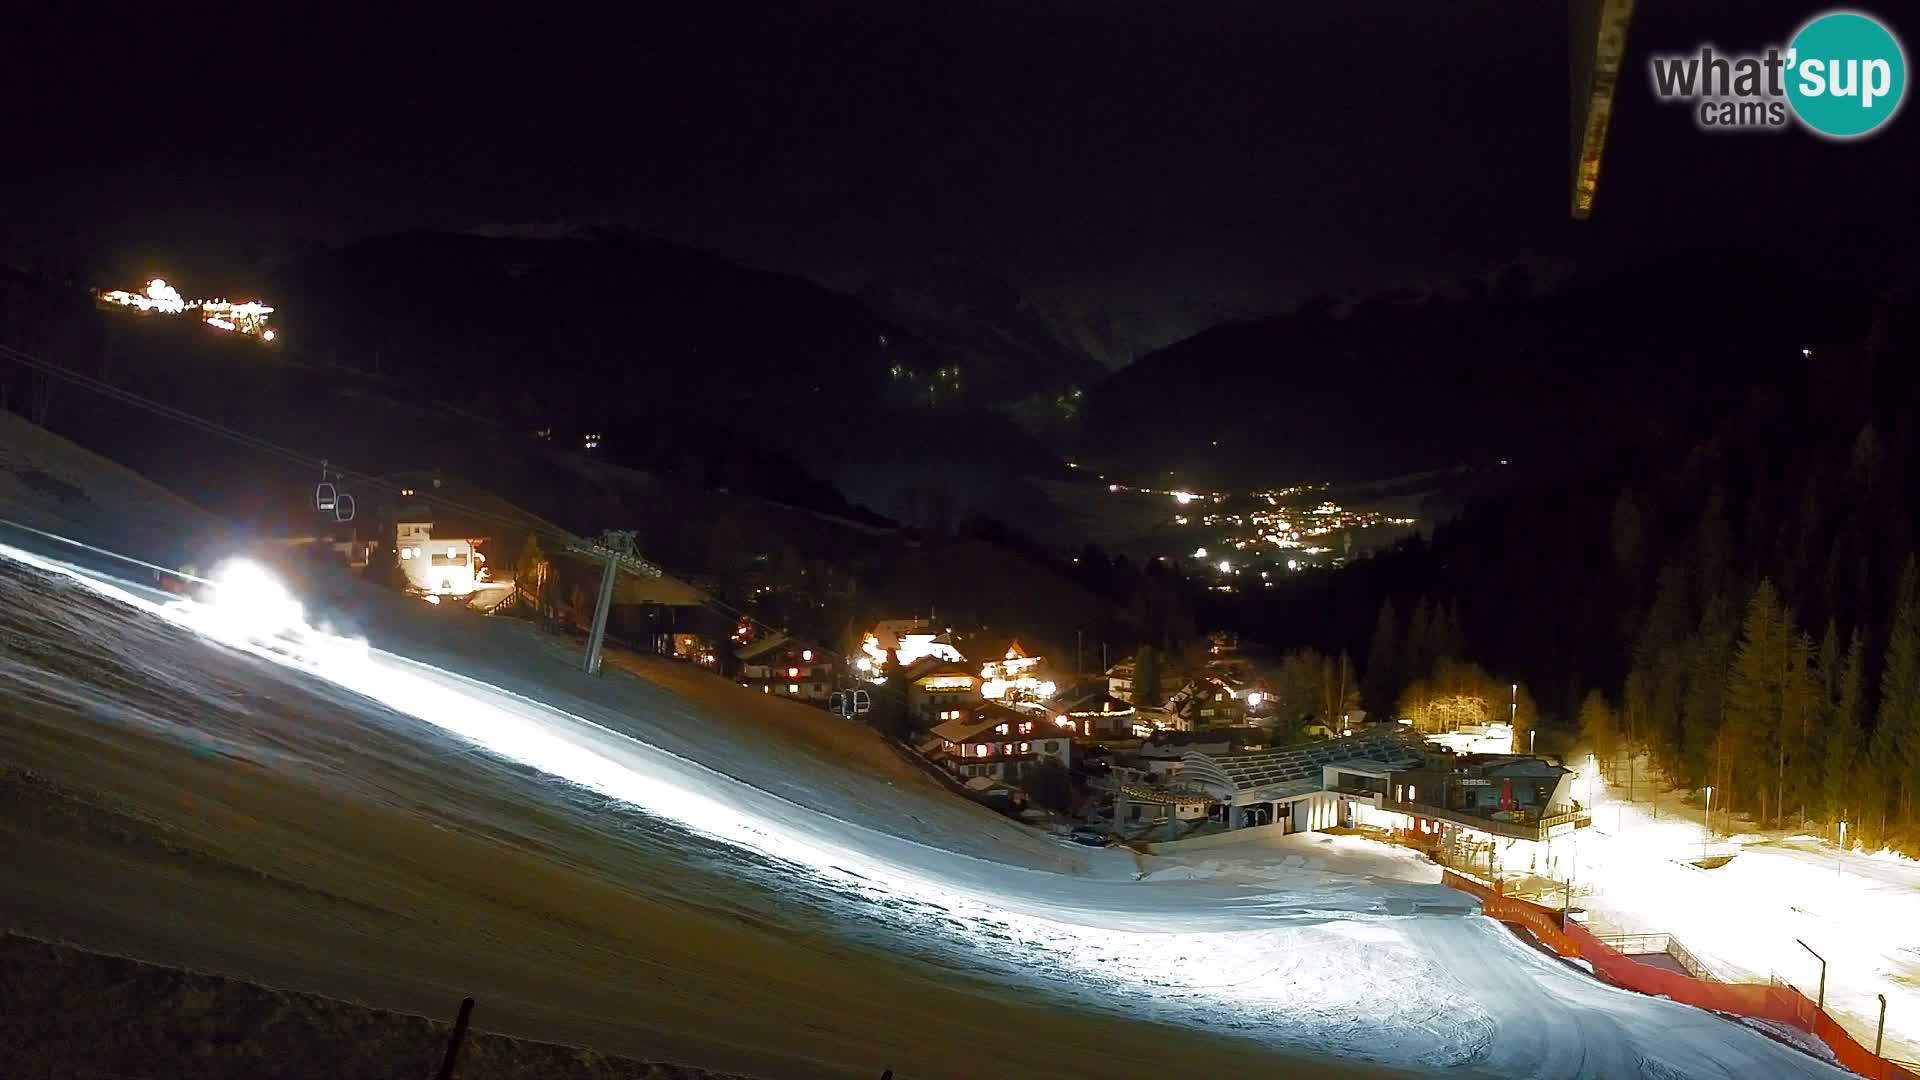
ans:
x=1782 y=1004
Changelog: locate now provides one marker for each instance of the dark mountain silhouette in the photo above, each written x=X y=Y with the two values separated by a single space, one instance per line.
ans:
x=651 y=345
x=1406 y=381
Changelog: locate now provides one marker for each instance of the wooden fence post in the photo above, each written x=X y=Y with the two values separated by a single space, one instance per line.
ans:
x=453 y=1042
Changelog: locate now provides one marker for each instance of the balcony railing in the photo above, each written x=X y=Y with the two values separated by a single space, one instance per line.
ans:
x=1522 y=825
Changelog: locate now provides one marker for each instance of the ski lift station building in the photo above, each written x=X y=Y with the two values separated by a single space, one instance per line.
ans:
x=437 y=541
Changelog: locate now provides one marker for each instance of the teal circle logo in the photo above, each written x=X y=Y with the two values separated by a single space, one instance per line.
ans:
x=1846 y=74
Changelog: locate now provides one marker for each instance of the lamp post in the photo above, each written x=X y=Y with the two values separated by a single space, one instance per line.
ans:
x=1513 y=711
x=1822 y=1003
x=1880 y=1032
x=1842 y=857
x=1709 y=835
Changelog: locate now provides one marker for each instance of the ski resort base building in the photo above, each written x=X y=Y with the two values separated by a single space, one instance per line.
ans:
x=1502 y=811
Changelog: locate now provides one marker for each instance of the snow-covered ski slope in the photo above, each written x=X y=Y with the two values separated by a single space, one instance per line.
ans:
x=668 y=866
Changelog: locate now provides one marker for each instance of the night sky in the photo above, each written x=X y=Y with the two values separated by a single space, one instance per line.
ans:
x=1124 y=155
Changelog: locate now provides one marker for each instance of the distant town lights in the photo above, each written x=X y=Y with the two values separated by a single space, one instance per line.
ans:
x=1184 y=497
x=1199 y=553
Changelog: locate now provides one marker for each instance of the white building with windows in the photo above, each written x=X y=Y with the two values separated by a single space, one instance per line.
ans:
x=997 y=742
x=440 y=566
x=789 y=667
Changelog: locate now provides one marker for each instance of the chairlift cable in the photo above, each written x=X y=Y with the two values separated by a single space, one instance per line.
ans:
x=531 y=523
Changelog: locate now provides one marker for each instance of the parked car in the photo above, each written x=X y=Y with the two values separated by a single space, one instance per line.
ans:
x=1088 y=835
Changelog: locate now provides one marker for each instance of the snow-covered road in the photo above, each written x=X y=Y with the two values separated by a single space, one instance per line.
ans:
x=1219 y=970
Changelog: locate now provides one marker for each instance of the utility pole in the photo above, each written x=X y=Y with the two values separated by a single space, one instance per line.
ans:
x=1573 y=866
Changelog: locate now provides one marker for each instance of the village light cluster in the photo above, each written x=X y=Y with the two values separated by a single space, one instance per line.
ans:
x=1271 y=523
x=247 y=317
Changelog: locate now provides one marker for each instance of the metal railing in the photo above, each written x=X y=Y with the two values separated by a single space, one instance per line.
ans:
x=1659 y=945
x=1522 y=825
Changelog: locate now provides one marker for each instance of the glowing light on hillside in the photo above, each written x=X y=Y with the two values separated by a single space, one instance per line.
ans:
x=1226 y=567
x=157 y=296
x=247 y=317
x=1184 y=497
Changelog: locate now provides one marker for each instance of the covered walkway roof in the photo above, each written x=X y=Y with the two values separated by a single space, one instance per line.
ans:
x=1284 y=772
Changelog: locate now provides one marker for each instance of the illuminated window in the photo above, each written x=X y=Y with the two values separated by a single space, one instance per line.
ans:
x=981 y=750
x=1002 y=729
x=793 y=688
x=793 y=673
x=1413 y=793
x=806 y=654
x=1025 y=747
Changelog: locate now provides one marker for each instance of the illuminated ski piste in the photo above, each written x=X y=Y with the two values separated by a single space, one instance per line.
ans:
x=1322 y=970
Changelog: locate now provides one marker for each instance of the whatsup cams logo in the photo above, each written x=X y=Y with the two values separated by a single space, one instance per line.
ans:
x=1841 y=76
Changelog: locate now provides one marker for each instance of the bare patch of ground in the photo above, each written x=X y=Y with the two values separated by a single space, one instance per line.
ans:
x=71 y=1013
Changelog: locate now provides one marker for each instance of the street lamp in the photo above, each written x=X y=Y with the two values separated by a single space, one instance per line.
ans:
x=1709 y=835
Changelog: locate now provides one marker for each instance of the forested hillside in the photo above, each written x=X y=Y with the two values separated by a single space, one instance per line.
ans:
x=1743 y=606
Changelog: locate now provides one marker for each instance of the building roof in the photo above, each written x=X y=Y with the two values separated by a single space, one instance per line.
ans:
x=1162 y=794
x=1099 y=703
x=1364 y=765
x=980 y=720
x=1509 y=765
x=933 y=665
x=762 y=646
x=1194 y=690
x=1283 y=771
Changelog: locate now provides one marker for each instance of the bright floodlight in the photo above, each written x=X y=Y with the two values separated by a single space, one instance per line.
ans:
x=252 y=601
x=1226 y=567
x=1254 y=699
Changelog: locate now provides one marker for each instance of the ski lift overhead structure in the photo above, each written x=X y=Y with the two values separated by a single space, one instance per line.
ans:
x=616 y=550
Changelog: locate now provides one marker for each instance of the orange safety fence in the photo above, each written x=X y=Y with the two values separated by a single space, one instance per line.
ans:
x=1781 y=1004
